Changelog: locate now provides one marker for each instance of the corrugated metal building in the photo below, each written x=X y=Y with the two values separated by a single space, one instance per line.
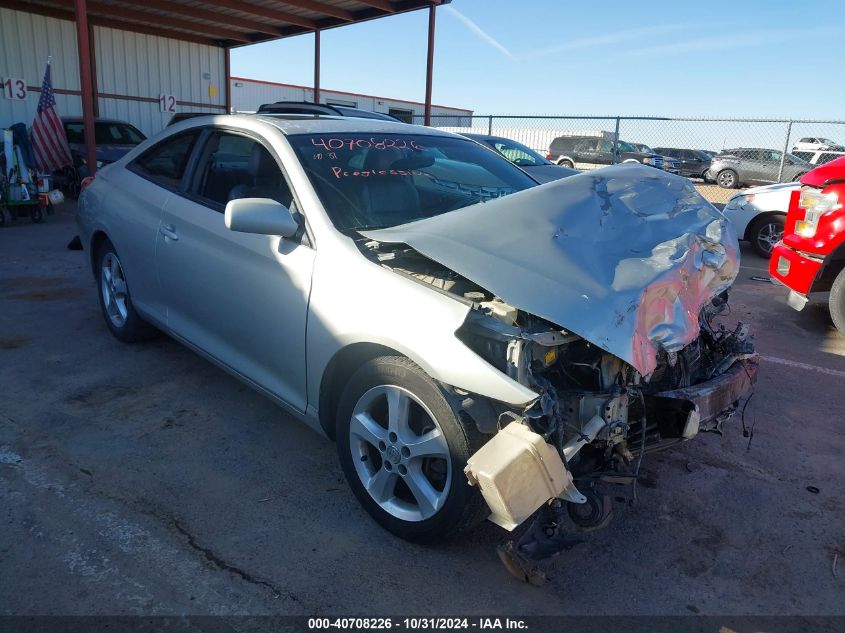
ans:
x=142 y=62
x=248 y=94
x=132 y=71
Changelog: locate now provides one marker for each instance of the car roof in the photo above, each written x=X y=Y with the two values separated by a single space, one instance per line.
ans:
x=314 y=124
x=310 y=124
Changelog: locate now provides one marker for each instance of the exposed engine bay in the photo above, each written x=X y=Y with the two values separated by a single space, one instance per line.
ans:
x=598 y=412
x=603 y=293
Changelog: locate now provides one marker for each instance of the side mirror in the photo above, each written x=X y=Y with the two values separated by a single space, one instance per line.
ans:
x=262 y=216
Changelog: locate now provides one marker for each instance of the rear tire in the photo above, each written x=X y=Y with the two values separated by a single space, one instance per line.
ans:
x=727 y=179
x=765 y=233
x=403 y=450
x=836 y=302
x=565 y=162
x=115 y=300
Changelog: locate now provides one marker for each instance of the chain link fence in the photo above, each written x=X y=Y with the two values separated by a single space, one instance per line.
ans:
x=767 y=147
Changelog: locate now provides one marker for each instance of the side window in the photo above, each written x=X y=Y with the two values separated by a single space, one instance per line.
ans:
x=606 y=147
x=165 y=162
x=233 y=166
x=808 y=156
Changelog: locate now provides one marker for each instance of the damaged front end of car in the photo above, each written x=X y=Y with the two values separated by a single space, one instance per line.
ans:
x=604 y=293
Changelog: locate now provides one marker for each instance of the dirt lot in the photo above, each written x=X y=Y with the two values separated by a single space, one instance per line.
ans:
x=714 y=193
x=144 y=480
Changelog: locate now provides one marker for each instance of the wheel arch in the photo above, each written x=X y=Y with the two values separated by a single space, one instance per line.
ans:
x=337 y=373
x=758 y=219
x=97 y=240
x=832 y=266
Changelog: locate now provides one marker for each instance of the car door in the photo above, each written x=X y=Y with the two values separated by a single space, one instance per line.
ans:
x=752 y=167
x=140 y=193
x=691 y=163
x=770 y=165
x=605 y=153
x=240 y=298
x=585 y=153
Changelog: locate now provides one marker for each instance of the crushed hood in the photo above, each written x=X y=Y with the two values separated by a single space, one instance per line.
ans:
x=625 y=256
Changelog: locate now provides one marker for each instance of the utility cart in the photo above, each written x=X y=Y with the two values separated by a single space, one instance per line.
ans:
x=18 y=199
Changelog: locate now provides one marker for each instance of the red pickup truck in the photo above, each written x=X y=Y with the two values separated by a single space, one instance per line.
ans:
x=811 y=255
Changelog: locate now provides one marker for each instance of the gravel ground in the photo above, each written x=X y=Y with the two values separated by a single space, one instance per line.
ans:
x=144 y=480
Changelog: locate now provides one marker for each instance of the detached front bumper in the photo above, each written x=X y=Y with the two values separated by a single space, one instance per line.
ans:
x=681 y=413
x=795 y=270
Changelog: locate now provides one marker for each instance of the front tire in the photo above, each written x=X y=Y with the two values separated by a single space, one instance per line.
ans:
x=727 y=179
x=765 y=233
x=836 y=302
x=403 y=450
x=115 y=300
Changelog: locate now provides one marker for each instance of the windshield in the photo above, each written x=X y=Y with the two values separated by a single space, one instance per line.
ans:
x=517 y=153
x=627 y=147
x=368 y=181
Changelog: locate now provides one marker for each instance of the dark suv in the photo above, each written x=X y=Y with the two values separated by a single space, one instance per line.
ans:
x=308 y=107
x=694 y=163
x=732 y=168
x=589 y=152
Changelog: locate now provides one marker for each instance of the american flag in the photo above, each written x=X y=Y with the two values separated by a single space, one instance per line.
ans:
x=48 y=136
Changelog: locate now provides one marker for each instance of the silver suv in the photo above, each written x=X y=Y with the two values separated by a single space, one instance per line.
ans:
x=733 y=168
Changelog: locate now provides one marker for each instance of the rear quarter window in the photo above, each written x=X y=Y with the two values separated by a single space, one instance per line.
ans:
x=165 y=162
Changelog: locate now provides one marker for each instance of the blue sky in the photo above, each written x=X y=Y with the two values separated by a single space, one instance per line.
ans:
x=748 y=58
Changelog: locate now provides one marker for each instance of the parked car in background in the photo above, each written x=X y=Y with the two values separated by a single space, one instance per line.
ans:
x=819 y=157
x=308 y=107
x=114 y=138
x=813 y=143
x=590 y=152
x=811 y=257
x=759 y=214
x=694 y=163
x=539 y=168
x=672 y=165
x=734 y=168
x=419 y=299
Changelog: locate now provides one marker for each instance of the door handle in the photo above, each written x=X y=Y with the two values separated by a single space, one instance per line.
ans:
x=169 y=232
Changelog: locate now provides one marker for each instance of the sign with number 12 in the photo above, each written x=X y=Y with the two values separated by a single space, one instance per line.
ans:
x=167 y=103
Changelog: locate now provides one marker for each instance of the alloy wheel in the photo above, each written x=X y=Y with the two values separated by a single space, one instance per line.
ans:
x=113 y=287
x=768 y=235
x=400 y=453
x=726 y=179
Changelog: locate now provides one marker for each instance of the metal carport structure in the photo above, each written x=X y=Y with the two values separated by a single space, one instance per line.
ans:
x=219 y=23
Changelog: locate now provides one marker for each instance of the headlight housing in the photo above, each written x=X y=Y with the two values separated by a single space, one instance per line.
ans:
x=815 y=204
x=738 y=202
x=647 y=160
